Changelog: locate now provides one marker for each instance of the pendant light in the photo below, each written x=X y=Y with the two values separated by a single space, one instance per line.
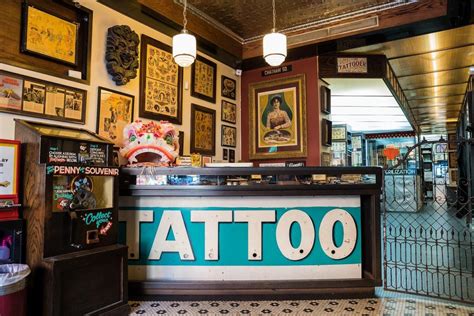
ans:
x=184 y=44
x=274 y=45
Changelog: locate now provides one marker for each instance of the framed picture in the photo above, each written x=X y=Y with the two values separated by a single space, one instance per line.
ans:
x=49 y=35
x=181 y=143
x=326 y=132
x=203 y=130
x=203 y=79
x=115 y=110
x=453 y=176
x=231 y=155
x=225 y=154
x=206 y=159
x=228 y=86
x=452 y=141
x=228 y=112
x=160 y=82
x=278 y=118
x=33 y=97
x=9 y=167
x=453 y=159
x=325 y=159
x=229 y=136
x=325 y=100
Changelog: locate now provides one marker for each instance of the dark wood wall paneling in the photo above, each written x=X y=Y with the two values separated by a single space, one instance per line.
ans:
x=10 y=39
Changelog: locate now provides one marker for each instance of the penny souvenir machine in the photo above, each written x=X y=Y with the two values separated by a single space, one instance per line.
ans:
x=71 y=209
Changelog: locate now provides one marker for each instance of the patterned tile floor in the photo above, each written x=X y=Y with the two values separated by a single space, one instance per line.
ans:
x=390 y=304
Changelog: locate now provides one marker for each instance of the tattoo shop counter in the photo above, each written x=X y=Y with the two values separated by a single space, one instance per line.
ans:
x=252 y=231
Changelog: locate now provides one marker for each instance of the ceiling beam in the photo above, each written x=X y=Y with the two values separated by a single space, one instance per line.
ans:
x=405 y=14
x=173 y=12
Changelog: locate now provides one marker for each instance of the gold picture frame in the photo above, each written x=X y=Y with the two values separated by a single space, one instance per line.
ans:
x=115 y=111
x=49 y=35
x=203 y=130
x=277 y=110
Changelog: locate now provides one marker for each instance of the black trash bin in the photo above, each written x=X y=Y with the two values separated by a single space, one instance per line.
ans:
x=12 y=289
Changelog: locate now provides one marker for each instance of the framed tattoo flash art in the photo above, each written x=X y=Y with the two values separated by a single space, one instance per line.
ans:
x=49 y=35
x=203 y=130
x=231 y=155
x=160 y=82
x=203 y=79
x=228 y=112
x=115 y=110
x=277 y=118
x=229 y=136
x=228 y=86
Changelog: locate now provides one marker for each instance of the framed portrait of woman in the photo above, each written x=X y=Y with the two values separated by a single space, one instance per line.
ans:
x=277 y=118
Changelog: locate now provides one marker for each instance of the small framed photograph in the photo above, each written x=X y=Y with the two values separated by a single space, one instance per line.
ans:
x=452 y=141
x=49 y=36
x=225 y=154
x=203 y=130
x=229 y=136
x=10 y=167
x=228 y=86
x=115 y=111
x=203 y=79
x=453 y=159
x=231 y=155
x=453 y=176
x=325 y=100
x=206 y=159
x=326 y=132
x=228 y=112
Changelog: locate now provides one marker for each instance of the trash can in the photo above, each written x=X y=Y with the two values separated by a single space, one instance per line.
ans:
x=12 y=289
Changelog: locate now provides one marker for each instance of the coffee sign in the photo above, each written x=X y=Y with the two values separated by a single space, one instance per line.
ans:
x=352 y=65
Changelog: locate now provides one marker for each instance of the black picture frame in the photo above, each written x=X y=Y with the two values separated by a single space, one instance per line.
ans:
x=326 y=132
x=181 y=143
x=325 y=97
x=228 y=112
x=33 y=82
x=195 y=80
x=24 y=35
x=226 y=87
x=197 y=127
x=225 y=154
x=231 y=155
x=177 y=119
x=100 y=131
x=231 y=132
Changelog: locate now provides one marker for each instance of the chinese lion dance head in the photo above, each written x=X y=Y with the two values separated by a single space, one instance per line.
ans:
x=150 y=144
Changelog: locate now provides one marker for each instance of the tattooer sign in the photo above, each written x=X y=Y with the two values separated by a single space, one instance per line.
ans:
x=264 y=238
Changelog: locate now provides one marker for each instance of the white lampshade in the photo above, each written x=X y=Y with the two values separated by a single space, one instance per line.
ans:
x=184 y=49
x=274 y=48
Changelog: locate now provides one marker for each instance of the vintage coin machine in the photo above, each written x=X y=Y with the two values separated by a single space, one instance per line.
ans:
x=70 y=206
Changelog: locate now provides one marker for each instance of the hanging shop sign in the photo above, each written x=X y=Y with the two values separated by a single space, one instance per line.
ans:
x=277 y=70
x=352 y=65
x=265 y=238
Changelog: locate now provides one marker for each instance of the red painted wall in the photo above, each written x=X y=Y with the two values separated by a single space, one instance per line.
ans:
x=309 y=67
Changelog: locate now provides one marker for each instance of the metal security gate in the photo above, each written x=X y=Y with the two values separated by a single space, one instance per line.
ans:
x=428 y=243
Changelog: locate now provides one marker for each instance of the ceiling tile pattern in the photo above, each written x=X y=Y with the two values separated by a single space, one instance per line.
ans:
x=433 y=71
x=250 y=18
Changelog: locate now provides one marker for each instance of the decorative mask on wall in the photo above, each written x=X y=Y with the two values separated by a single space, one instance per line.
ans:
x=122 y=54
x=150 y=144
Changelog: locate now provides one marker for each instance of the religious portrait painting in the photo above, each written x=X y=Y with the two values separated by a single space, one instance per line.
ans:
x=160 y=82
x=277 y=118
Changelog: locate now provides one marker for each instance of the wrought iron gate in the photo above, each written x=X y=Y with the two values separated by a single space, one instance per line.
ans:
x=428 y=244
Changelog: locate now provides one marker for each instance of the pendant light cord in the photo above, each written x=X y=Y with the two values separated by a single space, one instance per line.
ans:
x=185 y=21
x=274 y=16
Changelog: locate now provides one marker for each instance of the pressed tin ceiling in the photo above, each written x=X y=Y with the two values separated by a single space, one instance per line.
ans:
x=433 y=71
x=248 y=19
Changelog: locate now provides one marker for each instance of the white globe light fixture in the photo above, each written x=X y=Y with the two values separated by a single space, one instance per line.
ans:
x=184 y=45
x=274 y=45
